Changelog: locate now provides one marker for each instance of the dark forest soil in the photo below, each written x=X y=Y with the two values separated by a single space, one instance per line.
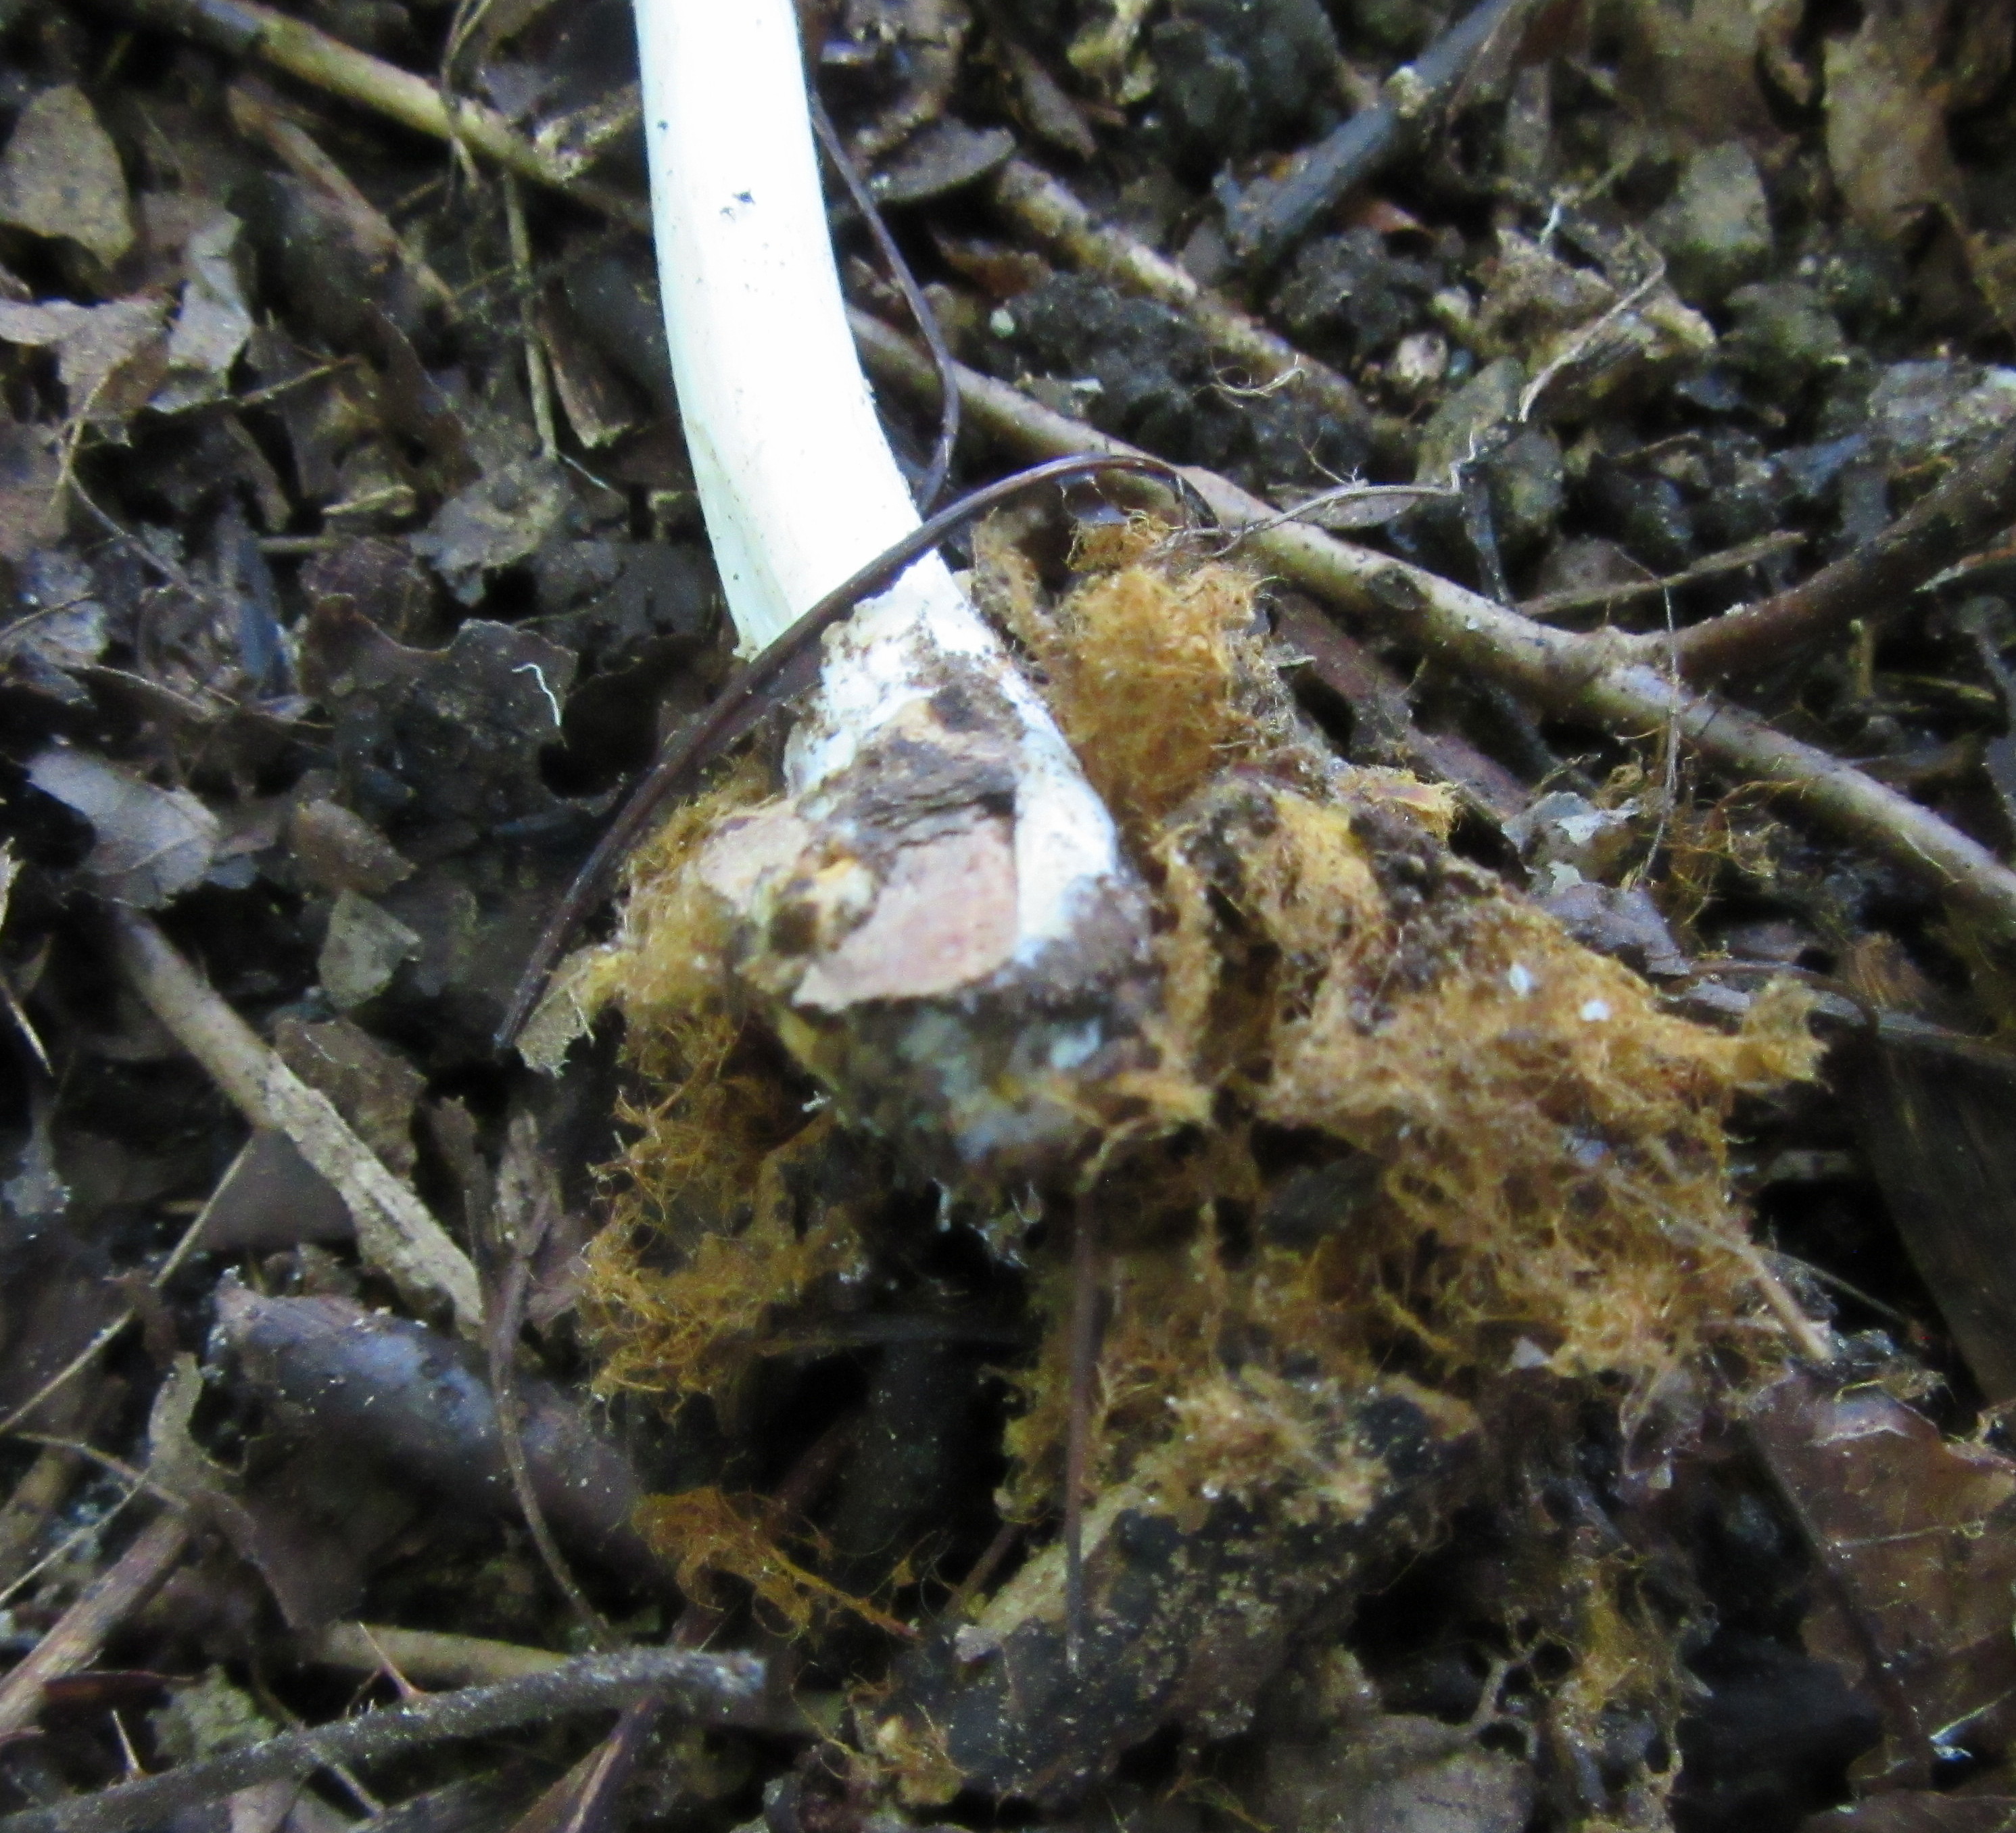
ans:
x=351 y=565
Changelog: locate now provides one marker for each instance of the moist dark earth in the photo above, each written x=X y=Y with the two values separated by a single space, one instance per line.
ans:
x=351 y=566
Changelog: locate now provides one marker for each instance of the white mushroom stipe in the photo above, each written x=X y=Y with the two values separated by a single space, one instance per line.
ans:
x=937 y=914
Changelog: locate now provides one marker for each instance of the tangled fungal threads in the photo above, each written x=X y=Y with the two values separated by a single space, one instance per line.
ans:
x=1402 y=1137
x=1510 y=1150
x=700 y=1244
x=1552 y=1144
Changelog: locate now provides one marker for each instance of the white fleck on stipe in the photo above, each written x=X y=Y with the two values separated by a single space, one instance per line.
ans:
x=1595 y=1011
x=1519 y=978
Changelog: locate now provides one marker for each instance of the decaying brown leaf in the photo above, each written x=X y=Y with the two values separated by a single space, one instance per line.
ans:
x=61 y=176
x=1886 y=104
x=109 y=357
x=151 y=846
x=1916 y=1536
x=1934 y=1125
x=212 y=320
x=32 y=510
x=1698 y=66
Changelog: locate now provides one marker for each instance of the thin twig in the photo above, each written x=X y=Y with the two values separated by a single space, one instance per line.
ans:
x=90 y=1530
x=1670 y=769
x=253 y=113
x=930 y=487
x=75 y=1639
x=394 y=1229
x=39 y=1493
x=615 y=1763
x=1547 y=607
x=242 y=28
x=1383 y=718
x=1050 y=213
x=1083 y=1353
x=516 y=1236
x=538 y=380
x=1356 y=505
x=709 y=1689
x=1275 y=213
x=344 y=1776
x=430 y=1658
x=1600 y=677
x=982 y=1570
x=1976 y=502
x=10 y=869
x=157 y=563
x=1589 y=338
x=511 y=1437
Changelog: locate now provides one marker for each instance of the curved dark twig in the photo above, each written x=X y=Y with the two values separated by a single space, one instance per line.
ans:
x=1974 y=504
x=1274 y=213
x=710 y=1689
x=504 y=1292
x=931 y=485
x=747 y=695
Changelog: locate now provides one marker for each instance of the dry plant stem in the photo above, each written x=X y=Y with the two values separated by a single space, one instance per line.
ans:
x=36 y=1497
x=709 y=1689
x=538 y=378
x=1549 y=605
x=1274 y=214
x=42 y=1488
x=1045 y=209
x=614 y=1764
x=553 y=1808
x=71 y=1541
x=983 y=1569
x=1084 y=1346
x=1378 y=697
x=1975 y=503
x=1601 y=678
x=395 y=1231
x=430 y=1657
x=501 y=1331
x=75 y=1638
x=242 y=28
x=511 y=1229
